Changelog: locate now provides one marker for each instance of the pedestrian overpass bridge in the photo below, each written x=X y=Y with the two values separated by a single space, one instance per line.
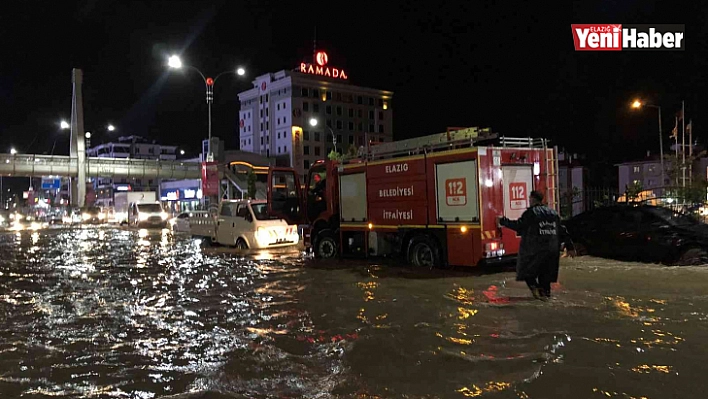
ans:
x=28 y=165
x=233 y=175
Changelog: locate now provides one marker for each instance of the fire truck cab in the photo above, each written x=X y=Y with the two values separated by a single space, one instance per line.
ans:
x=433 y=200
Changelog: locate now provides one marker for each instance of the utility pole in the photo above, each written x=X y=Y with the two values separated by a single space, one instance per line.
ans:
x=683 y=139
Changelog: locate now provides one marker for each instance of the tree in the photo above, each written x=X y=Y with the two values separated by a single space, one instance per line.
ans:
x=352 y=151
x=633 y=191
x=251 y=179
x=334 y=156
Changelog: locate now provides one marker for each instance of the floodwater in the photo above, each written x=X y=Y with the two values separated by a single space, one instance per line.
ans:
x=113 y=313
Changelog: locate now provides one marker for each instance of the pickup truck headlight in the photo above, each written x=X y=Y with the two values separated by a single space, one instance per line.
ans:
x=164 y=215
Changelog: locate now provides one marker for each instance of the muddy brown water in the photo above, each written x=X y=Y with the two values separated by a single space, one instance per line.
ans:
x=116 y=313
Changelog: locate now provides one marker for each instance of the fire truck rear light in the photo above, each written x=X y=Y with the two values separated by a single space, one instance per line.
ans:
x=491 y=246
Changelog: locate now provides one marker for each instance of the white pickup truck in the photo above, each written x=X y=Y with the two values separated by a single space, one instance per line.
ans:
x=244 y=224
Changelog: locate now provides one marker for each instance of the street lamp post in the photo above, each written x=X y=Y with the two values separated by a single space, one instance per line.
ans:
x=176 y=63
x=313 y=123
x=639 y=104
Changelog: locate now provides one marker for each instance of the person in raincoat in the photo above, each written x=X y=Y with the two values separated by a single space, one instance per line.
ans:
x=539 y=253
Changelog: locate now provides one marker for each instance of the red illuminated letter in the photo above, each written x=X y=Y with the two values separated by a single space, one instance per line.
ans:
x=303 y=67
x=318 y=70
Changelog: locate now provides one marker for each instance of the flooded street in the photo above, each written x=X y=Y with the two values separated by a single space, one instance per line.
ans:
x=112 y=313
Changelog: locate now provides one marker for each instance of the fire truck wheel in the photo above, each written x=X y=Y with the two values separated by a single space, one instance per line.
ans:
x=241 y=244
x=424 y=252
x=326 y=245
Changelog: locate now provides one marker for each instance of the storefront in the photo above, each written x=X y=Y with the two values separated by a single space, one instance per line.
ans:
x=181 y=196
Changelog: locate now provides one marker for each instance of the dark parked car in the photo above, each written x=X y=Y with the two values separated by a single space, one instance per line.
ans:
x=641 y=233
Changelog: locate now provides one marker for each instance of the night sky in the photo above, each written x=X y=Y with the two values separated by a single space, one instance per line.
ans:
x=507 y=65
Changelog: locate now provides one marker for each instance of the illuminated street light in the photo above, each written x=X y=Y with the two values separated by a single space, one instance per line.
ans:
x=181 y=152
x=313 y=123
x=174 y=62
x=64 y=125
x=13 y=151
x=110 y=128
x=88 y=135
x=638 y=104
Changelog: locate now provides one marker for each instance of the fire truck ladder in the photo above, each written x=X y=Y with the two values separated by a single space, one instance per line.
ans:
x=459 y=138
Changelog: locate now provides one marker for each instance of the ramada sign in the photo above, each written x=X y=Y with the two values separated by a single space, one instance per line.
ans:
x=618 y=37
x=320 y=68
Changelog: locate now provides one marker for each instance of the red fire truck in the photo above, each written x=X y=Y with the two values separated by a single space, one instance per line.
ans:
x=434 y=200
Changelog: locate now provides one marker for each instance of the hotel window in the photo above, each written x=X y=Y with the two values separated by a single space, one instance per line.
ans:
x=339 y=110
x=304 y=92
x=278 y=150
x=339 y=125
x=328 y=110
x=371 y=129
x=315 y=107
x=371 y=114
x=371 y=101
x=278 y=135
x=360 y=113
x=636 y=169
x=278 y=121
x=261 y=140
x=285 y=119
x=380 y=115
x=360 y=100
x=317 y=136
x=266 y=98
x=360 y=127
x=329 y=138
x=339 y=96
x=351 y=126
x=306 y=150
x=315 y=93
x=305 y=135
x=285 y=105
x=339 y=138
x=277 y=106
x=306 y=164
x=381 y=129
x=329 y=123
x=305 y=106
x=381 y=102
x=329 y=95
x=351 y=112
x=351 y=139
x=317 y=151
x=261 y=112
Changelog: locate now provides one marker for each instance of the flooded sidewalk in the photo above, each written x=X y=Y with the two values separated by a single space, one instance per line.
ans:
x=113 y=313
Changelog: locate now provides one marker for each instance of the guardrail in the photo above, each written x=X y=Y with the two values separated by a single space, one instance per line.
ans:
x=61 y=165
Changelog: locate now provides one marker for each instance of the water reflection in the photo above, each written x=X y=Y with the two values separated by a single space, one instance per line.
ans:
x=104 y=312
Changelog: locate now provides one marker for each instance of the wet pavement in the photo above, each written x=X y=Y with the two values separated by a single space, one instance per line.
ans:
x=112 y=313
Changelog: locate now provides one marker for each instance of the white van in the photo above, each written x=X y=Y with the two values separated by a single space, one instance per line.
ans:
x=147 y=214
x=247 y=224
